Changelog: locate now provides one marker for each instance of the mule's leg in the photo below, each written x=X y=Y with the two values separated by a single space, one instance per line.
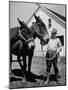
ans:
x=30 y=61
x=10 y=63
x=19 y=61
x=24 y=62
x=19 y=50
x=22 y=67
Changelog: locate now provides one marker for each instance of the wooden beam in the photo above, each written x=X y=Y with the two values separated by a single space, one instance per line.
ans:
x=33 y=14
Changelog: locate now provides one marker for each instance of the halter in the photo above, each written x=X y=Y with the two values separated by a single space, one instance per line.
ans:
x=37 y=27
x=20 y=34
x=36 y=30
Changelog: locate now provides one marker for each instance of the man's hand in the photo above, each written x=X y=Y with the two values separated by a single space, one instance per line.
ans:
x=60 y=49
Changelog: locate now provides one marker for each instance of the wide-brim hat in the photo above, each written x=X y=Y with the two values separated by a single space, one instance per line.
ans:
x=54 y=31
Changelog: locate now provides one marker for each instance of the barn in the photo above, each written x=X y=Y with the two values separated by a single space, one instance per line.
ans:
x=51 y=20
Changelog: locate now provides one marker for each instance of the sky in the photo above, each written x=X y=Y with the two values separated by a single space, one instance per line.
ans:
x=24 y=11
x=60 y=9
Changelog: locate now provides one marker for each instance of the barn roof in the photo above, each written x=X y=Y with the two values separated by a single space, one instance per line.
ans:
x=54 y=15
x=58 y=15
x=49 y=9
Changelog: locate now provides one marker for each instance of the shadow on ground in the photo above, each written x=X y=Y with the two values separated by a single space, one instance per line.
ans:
x=31 y=77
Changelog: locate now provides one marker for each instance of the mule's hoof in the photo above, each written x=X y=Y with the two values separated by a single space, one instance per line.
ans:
x=24 y=80
x=57 y=81
x=46 y=82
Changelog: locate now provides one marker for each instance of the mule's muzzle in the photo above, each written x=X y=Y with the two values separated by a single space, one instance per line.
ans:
x=31 y=45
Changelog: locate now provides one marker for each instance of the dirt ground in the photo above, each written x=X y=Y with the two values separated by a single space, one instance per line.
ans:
x=38 y=68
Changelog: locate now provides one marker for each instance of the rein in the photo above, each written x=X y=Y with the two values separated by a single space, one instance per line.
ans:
x=53 y=55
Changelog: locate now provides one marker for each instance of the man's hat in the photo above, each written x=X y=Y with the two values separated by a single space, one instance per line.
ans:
x=33 y=22
x=54 y=31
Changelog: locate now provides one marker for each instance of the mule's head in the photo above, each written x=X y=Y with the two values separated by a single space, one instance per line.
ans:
x=25 y=35
x=40 y=26
x=40 y=29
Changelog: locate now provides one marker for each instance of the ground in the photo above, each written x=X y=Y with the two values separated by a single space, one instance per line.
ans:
x=38 y=70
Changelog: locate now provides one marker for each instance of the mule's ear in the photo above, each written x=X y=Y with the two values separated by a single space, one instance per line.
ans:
x=18 y=19
x=35 y=16
x=20 y=22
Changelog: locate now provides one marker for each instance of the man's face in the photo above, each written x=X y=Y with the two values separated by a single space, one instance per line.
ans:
x=33 y=23
x=53 y=35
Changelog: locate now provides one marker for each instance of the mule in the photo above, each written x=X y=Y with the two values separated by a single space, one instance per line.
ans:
x=21 y=47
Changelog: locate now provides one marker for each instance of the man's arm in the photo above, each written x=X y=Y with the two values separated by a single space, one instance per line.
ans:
x=59 y=46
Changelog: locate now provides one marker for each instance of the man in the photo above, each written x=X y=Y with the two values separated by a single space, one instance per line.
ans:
x=53 y=48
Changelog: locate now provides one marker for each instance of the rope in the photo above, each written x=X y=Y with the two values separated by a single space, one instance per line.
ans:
x=52 y=57
x=43 y=63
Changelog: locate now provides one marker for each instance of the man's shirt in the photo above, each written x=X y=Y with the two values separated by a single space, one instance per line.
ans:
x=54 y=44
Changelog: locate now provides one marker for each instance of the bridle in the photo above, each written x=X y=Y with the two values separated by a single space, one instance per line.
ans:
x=36 y=30
x=20 y=34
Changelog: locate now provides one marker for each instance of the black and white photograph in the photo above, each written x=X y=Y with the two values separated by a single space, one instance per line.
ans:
x=37 y=44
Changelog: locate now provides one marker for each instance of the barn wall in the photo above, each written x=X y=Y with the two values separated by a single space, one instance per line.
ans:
x=60 y=30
